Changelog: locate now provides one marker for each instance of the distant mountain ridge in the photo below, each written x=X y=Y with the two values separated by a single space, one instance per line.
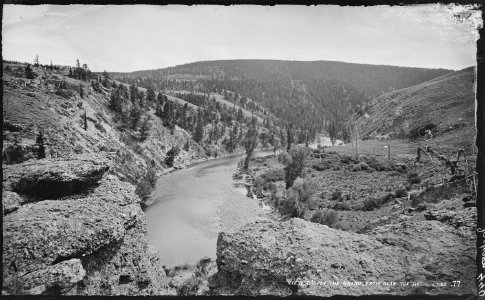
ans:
x=261 y=69
x=309 y=94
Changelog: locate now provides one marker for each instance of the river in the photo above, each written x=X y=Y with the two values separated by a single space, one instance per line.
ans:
x=191 y=206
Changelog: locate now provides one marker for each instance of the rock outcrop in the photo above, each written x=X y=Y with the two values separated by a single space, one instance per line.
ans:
x=265 y=257
x=52 y=179
x=70 y=228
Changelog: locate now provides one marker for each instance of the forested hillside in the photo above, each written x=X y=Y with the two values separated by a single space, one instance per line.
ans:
x=312 y=95
x=80 y=111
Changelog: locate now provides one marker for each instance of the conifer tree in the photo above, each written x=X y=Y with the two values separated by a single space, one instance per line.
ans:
x=85 y=118
x=250 y=143
x=40 y=144
x=145 y=129
x=81 y=91
x=289 y=137
x=199 y=129
x=28 y=72
x=135 y=116
x=150 y=96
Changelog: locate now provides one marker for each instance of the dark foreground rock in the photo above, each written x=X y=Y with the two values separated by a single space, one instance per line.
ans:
x=92 y=243
x=265 y=256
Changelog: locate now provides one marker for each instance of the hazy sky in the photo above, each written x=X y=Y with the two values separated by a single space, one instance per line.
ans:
x=137 y=37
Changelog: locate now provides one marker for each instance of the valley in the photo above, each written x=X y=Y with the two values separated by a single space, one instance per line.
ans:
x=238 y=178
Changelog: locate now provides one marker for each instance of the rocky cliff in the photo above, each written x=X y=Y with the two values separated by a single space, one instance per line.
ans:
x=266 y=257
x=71 y=228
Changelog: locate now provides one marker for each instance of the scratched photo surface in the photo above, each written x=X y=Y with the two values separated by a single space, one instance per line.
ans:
x=239 y=150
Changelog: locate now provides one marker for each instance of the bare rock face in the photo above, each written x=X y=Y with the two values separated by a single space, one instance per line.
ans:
x=265 y=258
x=90 y=243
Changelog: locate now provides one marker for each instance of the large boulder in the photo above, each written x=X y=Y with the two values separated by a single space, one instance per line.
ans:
x=91 y=241
x=47 y=232
x=52 y=179
x=267 y=257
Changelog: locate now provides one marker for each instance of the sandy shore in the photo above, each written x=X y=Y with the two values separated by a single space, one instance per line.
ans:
x=237 y=210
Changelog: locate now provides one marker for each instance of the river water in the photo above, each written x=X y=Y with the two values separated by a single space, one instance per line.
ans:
x=184 y=218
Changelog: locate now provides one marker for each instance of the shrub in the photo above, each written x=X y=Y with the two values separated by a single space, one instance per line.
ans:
x=151 y=177
x=288 y=207
x=295 y=167
x=171 y=154
x=202 y=265
x=259 y=182
x=143 y=188
x=336 y=195
x=342 y=206
x=400 y=193
x=360 y=166
x=100 y=127
x=65 y=93
x=341 y=226
x=274 y=175
x=284 y=158
x=373 y=203
x=414 y=178
x=328 y=217
x=421 y=206
x=308 y=189
x=146 y=184
x=13 y=154
x=321 y=166
x=189 y=287
x=346 y=159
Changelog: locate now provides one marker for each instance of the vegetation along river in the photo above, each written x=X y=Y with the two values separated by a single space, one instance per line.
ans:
x=191 y=206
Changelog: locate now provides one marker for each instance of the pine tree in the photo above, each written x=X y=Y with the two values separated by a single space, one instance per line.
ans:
x=40 y=144
x=105 y=81
x=145 y=129
x=85 y=117
x=28 y=72
x=171 y=154
x=133 y=93
x=199 y=129
x=289 y=137
x=167 y=116
x=249 y=145
x=36 y=60
x=135 y=116
x=77 y=71
x=150 y=96
x=294 y=167
x=81 y=91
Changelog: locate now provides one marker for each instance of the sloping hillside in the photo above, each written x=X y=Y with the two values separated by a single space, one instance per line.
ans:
x=309 y=94
x=444 y=105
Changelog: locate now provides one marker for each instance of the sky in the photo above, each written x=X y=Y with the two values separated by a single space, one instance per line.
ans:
x=126 y=38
